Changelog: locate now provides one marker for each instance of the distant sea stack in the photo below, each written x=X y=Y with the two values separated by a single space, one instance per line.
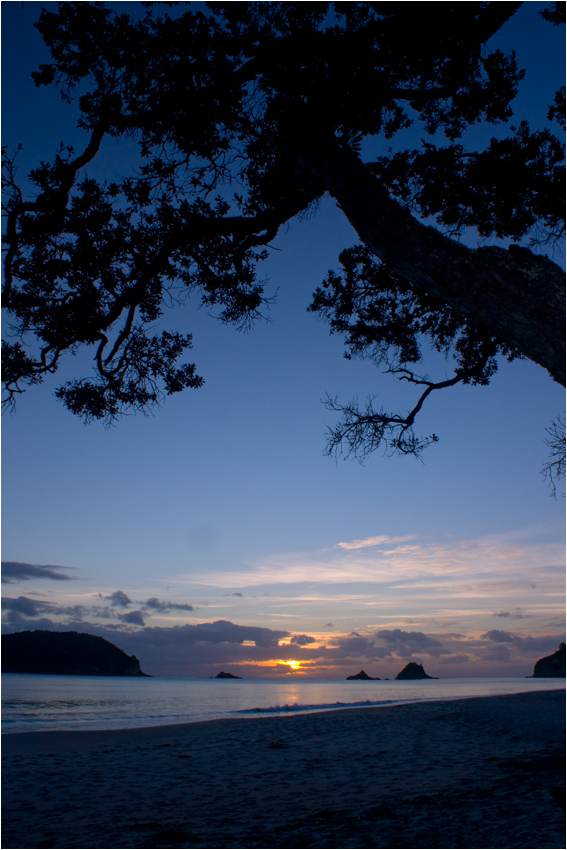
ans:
x=552 y=666
x=364 y=677
x=413 y=671
x=65 y=654
x=226 y=676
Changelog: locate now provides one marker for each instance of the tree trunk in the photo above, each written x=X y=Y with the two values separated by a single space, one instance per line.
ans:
x=514 y=295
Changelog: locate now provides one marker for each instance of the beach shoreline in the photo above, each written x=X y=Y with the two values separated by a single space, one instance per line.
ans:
x=480 y=772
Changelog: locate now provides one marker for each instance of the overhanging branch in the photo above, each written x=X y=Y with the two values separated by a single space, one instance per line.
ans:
x=361 y=432
x=513 y=295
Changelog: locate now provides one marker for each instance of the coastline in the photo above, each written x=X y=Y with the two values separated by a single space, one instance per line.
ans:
x=472 y=773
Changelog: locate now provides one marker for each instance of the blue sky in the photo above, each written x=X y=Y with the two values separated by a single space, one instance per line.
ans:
x=224 y=505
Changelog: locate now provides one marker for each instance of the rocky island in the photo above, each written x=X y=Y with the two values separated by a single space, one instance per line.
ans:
x=364 y=677
x=222 y=675
x=552 y=666
x=413 y=671
x=65 y=654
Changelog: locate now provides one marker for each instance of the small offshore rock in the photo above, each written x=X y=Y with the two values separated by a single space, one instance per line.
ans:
x=364 y=677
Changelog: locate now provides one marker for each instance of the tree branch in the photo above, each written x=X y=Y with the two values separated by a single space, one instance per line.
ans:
x=363 y=432
x=360 y=433
x=554 y=469
x=512 y=295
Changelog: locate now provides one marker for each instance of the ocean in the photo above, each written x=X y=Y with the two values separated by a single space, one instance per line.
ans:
x=34 y=703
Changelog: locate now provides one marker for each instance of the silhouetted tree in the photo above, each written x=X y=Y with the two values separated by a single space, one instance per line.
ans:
x=246 y=114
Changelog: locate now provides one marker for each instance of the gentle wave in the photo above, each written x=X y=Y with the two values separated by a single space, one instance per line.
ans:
x=127 y=719
x=43 y=703
x=296 y=707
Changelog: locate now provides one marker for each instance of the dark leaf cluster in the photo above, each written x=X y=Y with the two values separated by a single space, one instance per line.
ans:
x=382 y=319
x=505 y=190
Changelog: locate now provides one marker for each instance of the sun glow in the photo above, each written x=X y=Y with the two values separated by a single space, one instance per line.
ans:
x=279 y=666
x=294 y=665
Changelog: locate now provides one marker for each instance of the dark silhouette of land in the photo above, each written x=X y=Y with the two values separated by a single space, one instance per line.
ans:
x=222 y=675
x=552 y=666
x=413 y=671
x=65 y=653
x=364 y=677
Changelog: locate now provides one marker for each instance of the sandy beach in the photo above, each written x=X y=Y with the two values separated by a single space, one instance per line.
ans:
x=474 y=773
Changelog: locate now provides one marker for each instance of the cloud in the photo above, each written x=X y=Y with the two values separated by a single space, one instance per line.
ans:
x=154 y=604
x=118 y=599
x=16 y=622
x=135 y=618
x=355 y=645
x=373 y=541
x=515 y=615
x=13 y=571
x=27 y=607
x=498 y=636
x=525 y=644
x=302 y=640
x=117 y=602
x=77 y=612
x=478 y=568
x=205 y=648
x=405 y=643
x=223 y=631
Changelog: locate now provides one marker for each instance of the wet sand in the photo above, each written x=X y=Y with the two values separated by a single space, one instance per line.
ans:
x=474 y=773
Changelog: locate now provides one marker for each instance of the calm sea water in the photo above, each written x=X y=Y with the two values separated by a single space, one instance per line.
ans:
x=38 y=703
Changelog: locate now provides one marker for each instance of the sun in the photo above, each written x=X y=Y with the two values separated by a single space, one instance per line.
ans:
x=295 y=665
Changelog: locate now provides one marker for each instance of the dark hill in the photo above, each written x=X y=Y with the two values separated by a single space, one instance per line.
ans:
x=413 y=671
x=65 y=653
x=222 y=675
x=552 y=666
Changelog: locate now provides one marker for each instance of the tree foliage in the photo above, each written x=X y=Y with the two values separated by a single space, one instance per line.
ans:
x=238 y=117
